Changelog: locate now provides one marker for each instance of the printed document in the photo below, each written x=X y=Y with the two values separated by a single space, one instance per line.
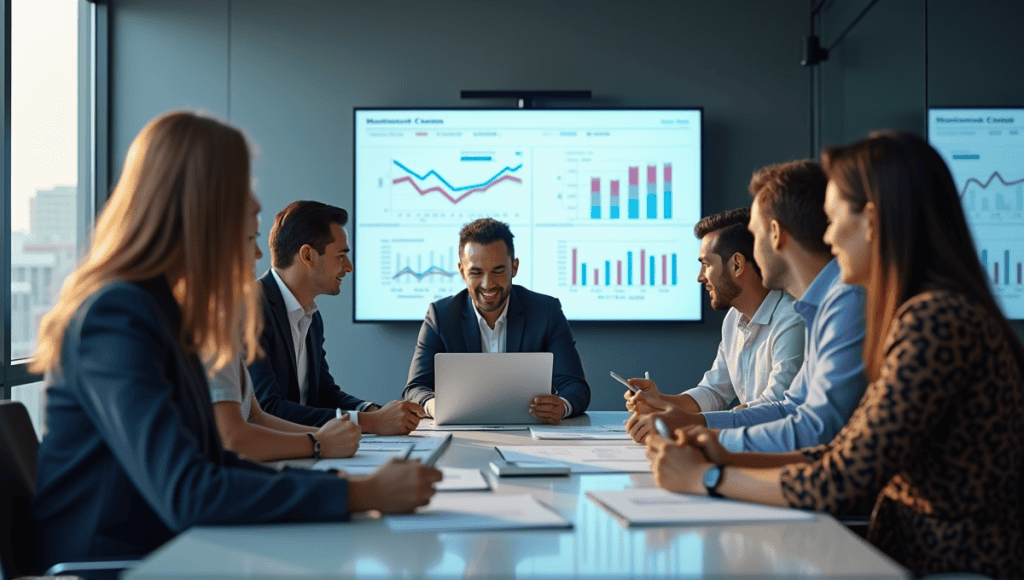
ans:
x=581 y=432
x=453 y=512
x=652 y=506
x=584 y=458
x=461 y=479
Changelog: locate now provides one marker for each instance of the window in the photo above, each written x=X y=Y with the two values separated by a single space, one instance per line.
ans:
x=56 y=74
x=44 y=156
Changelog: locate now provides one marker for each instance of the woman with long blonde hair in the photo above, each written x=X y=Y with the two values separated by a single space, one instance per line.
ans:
x=935 y=450
x=131 y=454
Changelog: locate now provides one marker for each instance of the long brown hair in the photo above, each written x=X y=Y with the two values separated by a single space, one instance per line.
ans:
x=178 y=211
x=921 y=240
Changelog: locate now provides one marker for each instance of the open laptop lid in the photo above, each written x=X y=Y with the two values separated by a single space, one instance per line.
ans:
x=489 y=388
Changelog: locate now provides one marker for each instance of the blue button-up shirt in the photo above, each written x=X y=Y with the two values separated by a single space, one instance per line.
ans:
x=828 y=386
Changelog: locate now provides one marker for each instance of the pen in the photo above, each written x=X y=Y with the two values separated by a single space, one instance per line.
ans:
x=337 y=413
x=647 y=375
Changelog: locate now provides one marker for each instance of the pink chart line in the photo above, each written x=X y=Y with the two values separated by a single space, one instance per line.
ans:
x=985 y=185
x=434 y=271
x=455 y=200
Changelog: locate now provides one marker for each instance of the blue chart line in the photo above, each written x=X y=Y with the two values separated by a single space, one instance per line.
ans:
x=432 y=271
x=449 y=185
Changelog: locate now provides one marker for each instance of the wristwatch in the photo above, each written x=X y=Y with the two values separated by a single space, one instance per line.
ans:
x=316 y=446
x=712 y=477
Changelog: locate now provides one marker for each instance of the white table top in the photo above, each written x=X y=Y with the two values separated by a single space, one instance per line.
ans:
x=597 y=546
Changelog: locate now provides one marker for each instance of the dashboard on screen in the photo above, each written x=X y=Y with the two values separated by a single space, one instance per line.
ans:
x=984 y=149
x=602 y=204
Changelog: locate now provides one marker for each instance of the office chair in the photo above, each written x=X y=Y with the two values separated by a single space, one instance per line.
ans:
x=18 y=451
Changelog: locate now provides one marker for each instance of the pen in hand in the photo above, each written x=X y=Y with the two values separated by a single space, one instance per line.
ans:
x=337 y=413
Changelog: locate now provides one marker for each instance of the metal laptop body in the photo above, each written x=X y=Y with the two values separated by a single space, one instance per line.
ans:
x=489 y=388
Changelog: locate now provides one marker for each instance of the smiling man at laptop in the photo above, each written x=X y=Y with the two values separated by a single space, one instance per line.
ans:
x=494 y=315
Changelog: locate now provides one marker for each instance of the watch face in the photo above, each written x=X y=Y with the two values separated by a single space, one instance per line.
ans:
x=711 y=477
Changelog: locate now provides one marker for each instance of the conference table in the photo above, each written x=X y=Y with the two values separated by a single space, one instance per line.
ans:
x=597 y=545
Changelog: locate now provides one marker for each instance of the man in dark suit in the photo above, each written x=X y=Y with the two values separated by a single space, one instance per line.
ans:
x=309 y=254
x=493 y=315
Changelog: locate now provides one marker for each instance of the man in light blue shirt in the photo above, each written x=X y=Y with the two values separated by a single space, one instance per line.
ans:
x=788 y=223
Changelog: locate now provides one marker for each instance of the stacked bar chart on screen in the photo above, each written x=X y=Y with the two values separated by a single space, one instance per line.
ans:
x=618 y=190
x=984 y=149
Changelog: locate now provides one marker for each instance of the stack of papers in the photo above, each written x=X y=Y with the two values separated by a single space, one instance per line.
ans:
x=453 y=512
x=367 y=459
x=428 y=425
x=581 y=432
x=650 y=506
x=461 y=479
x=588 y=459
x=422 y=442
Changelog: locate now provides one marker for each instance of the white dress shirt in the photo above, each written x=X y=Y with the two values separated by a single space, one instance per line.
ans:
x=757 y=358
x=494 y=339
x=299 y=319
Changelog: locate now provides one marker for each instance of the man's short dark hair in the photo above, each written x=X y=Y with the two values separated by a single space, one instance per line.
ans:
x=793 y=194
x=485 y=231
x=301 y=223
x=733 y=235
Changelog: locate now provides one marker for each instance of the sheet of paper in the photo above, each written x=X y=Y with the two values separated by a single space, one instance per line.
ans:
x=581 y=432
x=428 y=425
x=584 y=458
x=461 y=479
x=424 y=442
x=366 y=460
x=654 y=506
x=452 y=512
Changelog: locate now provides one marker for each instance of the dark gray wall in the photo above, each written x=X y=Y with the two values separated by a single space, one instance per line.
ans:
x=906 y=55
x=875 y=77
x=289 y=73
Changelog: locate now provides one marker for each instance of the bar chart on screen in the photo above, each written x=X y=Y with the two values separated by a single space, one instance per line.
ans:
x=601 y=274
x=984 y=149
x=1003 y=263
x=617 y=186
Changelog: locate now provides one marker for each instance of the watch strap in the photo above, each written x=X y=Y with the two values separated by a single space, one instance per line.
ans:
x=712 y=477
x=316 y=445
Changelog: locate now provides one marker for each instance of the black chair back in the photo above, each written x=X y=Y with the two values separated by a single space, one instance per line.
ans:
x=18 y=451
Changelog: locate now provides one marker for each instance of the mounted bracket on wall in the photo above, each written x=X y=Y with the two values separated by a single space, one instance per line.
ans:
x=526 y=98
x=813 y=52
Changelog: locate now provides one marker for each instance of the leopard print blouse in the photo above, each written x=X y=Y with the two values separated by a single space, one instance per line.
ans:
x=936 y=444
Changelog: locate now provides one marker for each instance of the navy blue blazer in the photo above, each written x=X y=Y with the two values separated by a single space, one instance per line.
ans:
x=275 y=379
x=535 y=323
x=132 y=455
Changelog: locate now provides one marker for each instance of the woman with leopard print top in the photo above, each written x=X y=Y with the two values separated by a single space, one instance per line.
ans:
x=936 y=447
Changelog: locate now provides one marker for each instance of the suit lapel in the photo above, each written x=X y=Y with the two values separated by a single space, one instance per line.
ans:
x=280 y=316
x=470 y=326
x=515 y=321
x=312 y=365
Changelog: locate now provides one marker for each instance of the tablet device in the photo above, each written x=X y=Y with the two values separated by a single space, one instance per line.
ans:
x=489 y=388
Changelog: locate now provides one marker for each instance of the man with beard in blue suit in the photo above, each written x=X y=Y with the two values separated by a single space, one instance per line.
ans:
x=494 y=315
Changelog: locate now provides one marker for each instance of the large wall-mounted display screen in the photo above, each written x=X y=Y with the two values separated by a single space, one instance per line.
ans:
x=602 y=204
x=984 y=149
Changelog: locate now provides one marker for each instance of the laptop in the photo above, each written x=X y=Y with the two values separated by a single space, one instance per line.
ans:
x=489 y=388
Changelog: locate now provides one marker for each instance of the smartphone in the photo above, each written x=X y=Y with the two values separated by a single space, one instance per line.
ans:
x=623 y=381
x=662 y=429
x=503 y=468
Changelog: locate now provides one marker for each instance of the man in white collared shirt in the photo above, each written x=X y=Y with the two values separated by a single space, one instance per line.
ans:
x=309 y=251
x=494 y=315
x=762 y=335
